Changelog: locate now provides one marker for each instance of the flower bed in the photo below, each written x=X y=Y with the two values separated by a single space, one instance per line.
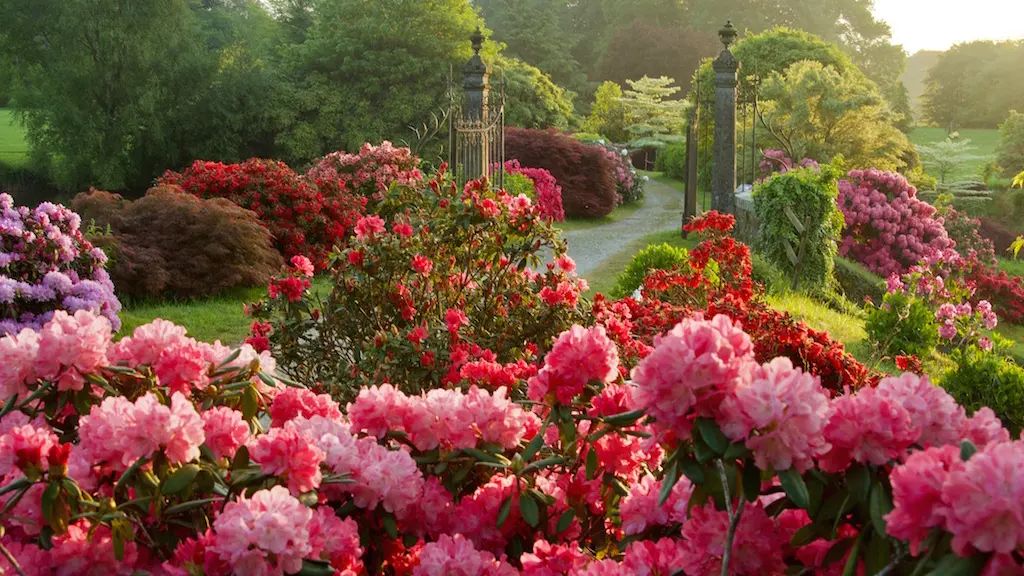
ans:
x=369 y=172
x=46 y=264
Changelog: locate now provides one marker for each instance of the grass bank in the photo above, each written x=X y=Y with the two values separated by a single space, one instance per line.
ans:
x=986 y=142
x=13 y=146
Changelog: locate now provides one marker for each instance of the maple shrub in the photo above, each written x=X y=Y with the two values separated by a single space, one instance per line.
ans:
x=447 y=286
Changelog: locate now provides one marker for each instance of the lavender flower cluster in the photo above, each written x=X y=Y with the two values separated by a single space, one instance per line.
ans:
x=46 y=264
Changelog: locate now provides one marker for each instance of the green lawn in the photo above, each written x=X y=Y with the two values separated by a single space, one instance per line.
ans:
x=619 y=213
x=13 y=147
x=221 y=318
x=702 y=196
x=1011 y=266
x=986 y=142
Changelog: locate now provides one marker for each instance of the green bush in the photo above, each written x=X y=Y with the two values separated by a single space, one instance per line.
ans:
x=516 y=184
x=654 y=257
x=901 y=325
x=857 y=282
x=1011 y=144
x=672 y=161
x=981 y=378
x=768 y=274
x=811 y=194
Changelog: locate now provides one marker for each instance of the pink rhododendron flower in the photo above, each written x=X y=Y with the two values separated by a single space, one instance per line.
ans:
x=932 y=410
x=303 y=266
x=455 y=319
x=756 y=547
x=225 y=431
x=422 y=264
x=369 y=226
x=476 y=515
x=267 y=534
x=640 y=510
x=456 y=556
x=289 y=453
x=947 y=330
x=292 y=402
x=380 y=476
x=984 y=500
x=869 y=427
x=334 y=540
x=377 y=410
x=25 y=446
x=917 y=494
x=19 y=352
x=579 y=356
x=553 y=559
x=71 y=346
x=651 y=557
x=403 y=229
x=33 y=560
x=984 y=428
x=76 y=552
x=695 y=365
x=781 y=414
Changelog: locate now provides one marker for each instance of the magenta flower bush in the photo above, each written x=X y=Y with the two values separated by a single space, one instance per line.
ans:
x=888 y=229
x=547 y=192
x=163 y=455
x=370 y=171
x=46 y=264
x=777 y=162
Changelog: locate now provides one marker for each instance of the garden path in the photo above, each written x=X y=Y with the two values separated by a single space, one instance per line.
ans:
x=662 y=210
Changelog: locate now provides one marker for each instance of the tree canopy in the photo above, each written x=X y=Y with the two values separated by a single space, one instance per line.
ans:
x=973 y=85
x=532 y=99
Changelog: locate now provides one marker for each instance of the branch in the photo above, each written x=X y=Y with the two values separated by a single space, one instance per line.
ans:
x=11 y=559
x=734 y=518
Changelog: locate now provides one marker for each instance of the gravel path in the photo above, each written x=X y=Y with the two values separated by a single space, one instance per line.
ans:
x=662 y=210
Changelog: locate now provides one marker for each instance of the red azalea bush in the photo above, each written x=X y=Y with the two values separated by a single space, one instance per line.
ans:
x=585 y=173
x=304 y=219
x=451 y=288
x=888 y=229
x=162 y=455
x=371 y=171
x=546 y=190
x=1005 y=292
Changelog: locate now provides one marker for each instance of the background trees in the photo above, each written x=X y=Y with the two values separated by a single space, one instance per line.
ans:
x=971 y=85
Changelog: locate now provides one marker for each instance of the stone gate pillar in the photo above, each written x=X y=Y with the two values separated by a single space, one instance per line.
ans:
x=472 y=135
x=723 y=170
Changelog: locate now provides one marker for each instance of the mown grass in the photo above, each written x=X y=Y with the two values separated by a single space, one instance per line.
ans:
x=1011 y=266
x=220 y=318
x=13 y=146
x=703 y=197
x=986 y=142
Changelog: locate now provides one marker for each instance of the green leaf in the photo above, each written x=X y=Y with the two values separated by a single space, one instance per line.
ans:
x=837 y=551
x=315 y=568
x=8 y=406
x=850 y=569
x=390 y=525
x=712 y=435
x=953 y=565
x=795 y=488
x=250 y=403
x=751 y=479
x=504 y=511
x=564 y=521
x=858 y=480
x=50 y=495
x=534 y=446
x=736 y=451
x=691 y=469
x=16 y=485
x=190 y=505
x=481 y=455
x=702 y=451
x=624 y=419
x=591 y=463
x=804 y=536
x=128 y=473
x=180 y=480
x=967 y=449
x=529 y=509
x=877 y=554
x=880 y=505
x=541 y=464
x=669 y=482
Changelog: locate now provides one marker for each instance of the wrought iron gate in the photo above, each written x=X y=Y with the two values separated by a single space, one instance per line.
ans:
x=477 y=141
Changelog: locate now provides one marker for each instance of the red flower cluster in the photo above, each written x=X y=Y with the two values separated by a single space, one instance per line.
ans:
x=305 y=219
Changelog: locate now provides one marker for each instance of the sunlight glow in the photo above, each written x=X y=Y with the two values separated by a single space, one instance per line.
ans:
x=938 y=24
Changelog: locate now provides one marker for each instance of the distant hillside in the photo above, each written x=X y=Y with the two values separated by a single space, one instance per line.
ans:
x=917 y=70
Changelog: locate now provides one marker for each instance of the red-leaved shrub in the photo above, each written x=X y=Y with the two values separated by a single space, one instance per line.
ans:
x=585 y=173
x=304 y=219
x=170 y=243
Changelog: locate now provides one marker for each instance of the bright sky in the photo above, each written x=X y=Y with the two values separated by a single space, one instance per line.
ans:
x=938 y=24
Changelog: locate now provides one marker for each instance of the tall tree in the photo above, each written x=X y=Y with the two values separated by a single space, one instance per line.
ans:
x=650 y=49
x=609 y=116
x=109 y=84
x=971 y=85
x=532 y=99
x=656 y=118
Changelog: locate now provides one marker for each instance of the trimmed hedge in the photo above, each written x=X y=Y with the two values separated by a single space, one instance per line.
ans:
x=585 y=173
x=672 y=161
x=655 y=257
x=170 y=243
x=857 y=282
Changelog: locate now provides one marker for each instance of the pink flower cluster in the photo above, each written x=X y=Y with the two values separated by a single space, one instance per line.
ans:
x=452 y=419
x=46 y=264
x=546 y=190
x=777 y=162
x=580 y=356
x=371 y=171
x=980 y=501
x=888 y=229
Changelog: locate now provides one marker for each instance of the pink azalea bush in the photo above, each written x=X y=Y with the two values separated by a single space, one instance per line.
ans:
x=369 y=172
x=888 y=229
x=547 y=193
x=777 y=162
x=46 y=264
x=163 y=455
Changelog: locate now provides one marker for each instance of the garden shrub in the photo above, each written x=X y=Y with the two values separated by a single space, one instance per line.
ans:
x=672 y=161
x=777 y=162
x=654 y=257
x=46 y=265
x=988 y=378
x=1001 y=235
x=415 y=303
x=964 y=231
x=887 y=228
x=304 y=219
x=811 y=194
x=767 y=274
x=902 y=325
x=170 y=243
x=1011 y=144
x=628 y=184
x=545 y=190
x=585 y=173
x=370 y=172
x=857 y=283
x=516 y=184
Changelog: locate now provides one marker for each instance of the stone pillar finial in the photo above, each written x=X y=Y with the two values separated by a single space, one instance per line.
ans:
x=478 y=40
x=723 y=170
